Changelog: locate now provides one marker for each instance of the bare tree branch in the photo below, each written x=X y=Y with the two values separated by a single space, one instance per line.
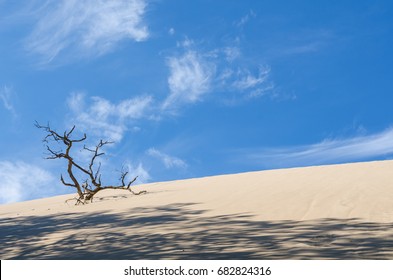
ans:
x=64 y=183
x=92 y=185
x=132 y=181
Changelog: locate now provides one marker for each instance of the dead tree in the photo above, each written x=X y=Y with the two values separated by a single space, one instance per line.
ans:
x=88 y=188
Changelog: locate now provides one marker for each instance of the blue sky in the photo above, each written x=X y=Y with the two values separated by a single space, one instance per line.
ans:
x=193 y=88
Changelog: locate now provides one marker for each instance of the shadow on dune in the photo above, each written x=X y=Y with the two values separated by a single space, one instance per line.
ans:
x=178 y=232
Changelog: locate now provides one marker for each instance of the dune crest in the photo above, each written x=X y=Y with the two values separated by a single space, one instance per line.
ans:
x=325 y=212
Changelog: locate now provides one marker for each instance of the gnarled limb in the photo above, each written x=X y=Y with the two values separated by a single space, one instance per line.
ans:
x=91 y=186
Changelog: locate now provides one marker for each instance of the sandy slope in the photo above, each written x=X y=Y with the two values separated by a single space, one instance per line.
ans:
x=323 y=212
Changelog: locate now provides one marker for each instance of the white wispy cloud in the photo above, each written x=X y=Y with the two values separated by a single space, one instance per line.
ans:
x=241 y=22
x=327 y=151
x=231 y=53
x=304 y=42
x=137 y=170
x=245 y=79
x=20 y=181
x=85 y=27
x=193 y=74
x=167 y=160
x=6 y=94
x=189 y=79
x=104 y=118
x=302 y=49
x=245 y=82
x=171 y=31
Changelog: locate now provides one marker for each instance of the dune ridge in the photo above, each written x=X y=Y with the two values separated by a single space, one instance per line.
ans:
x=322 y=212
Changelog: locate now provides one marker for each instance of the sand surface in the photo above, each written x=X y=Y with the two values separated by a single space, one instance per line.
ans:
x=322 y=212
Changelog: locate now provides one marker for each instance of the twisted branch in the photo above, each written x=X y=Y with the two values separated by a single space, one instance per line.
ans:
x=86 y=190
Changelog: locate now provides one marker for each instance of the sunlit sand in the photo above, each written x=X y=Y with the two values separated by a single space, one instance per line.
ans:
x=322 y=212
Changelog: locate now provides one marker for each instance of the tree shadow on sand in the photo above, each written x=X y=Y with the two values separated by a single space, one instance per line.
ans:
x=178 y=232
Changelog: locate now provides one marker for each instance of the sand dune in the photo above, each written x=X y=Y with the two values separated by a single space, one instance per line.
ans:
x=322 y=212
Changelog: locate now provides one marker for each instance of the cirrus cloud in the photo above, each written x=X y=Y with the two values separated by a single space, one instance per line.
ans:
x=193 y=74
x=85 y=27
x=190 y=77
x=6 y=94
x=104 y=118
x=20 y=180
x=167 y=160
x=326 y=152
